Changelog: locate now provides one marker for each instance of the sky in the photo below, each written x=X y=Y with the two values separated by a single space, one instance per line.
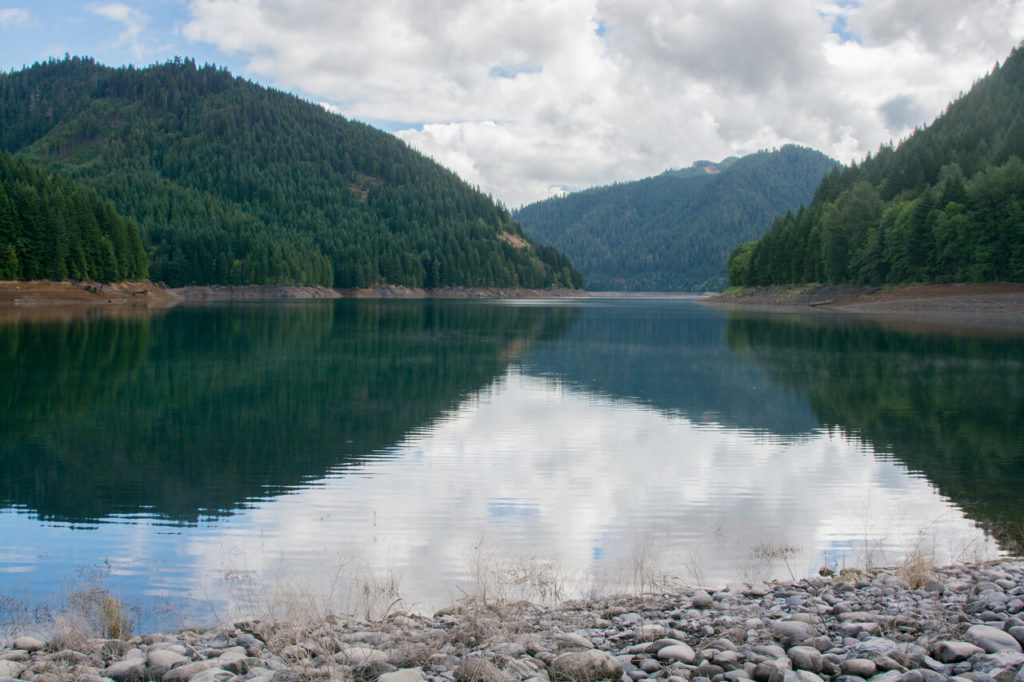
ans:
x=532 y=98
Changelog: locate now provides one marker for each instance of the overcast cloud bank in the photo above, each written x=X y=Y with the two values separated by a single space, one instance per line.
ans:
x=529 y=98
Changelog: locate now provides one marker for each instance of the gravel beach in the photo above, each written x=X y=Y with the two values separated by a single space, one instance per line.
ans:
x=913 y=624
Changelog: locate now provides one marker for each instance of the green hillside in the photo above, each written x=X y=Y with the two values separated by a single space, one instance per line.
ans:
x=674 y=231
x=943 y=206
x=54 y=228
x=234 y=183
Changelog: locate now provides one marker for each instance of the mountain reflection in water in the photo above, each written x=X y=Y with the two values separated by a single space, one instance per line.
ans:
x=552 y=448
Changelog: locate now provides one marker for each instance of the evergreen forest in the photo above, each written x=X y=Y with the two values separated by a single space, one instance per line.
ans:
x=55 y=228
x=233 y=183
x=945 y=205
x=674 y=231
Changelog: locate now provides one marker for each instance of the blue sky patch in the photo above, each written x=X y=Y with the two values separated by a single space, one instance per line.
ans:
x=512 y=70
x=840 y=28
x=148 y=33
x=391 y=126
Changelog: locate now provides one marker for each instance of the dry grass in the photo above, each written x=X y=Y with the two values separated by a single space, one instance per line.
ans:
x=498 y=578
x=772 y=554
x=917 y=567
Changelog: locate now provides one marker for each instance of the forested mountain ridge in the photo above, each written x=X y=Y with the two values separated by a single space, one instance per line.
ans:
x=234 y=183
x=674 y=231
x=55 y=228
x=946 y=205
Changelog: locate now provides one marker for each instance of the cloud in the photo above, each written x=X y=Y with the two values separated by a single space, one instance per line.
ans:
x=13 y=18
x=532 y=97
x=949 y=29
x=134 y=24
x=903 y=111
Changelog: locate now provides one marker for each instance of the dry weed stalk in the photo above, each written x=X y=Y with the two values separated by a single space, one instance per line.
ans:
x=917 y=568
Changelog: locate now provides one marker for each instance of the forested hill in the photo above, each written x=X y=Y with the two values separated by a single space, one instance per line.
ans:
x=674 y=231
x=234 y=183
x=946 y=205
x=54 y=228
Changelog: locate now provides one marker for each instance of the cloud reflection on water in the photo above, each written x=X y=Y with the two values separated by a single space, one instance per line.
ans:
x=588 y=488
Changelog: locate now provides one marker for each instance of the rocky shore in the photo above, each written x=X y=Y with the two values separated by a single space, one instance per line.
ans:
x=42 y=300
x=963 y=623
x=991 y=307
x=254 y=292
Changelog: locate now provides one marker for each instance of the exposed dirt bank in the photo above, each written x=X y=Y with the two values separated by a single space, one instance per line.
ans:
x=460 y=292
x=45 y=300
x=250 y=292
x=213 y=294
x=945 y=307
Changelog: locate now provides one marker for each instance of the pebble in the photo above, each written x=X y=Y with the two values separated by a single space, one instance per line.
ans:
x=961 y=625
x=805 y=658
x=792 y=631
x=702 y=600
x=955 y=651
x=11 y=669
x=681 y=652
x=29 y=644
x=404 y=675
x=991 y=639
x=478 y=670
x=585 y=666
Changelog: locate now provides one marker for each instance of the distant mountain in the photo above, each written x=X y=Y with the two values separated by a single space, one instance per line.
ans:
x=674 y=231
x=55 y=228
x=946 y=205
x=234 y=183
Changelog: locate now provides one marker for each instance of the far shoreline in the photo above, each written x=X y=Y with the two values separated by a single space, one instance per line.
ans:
x=945 y=308
x=47 y=300
x=269 y=292
x=995 y=307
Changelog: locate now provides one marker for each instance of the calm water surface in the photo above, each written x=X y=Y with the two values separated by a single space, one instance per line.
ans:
x=205 y=462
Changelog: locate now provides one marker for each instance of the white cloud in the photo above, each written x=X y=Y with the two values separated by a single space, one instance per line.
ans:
x=530 y=97
x=133 y=26
x=12 y=18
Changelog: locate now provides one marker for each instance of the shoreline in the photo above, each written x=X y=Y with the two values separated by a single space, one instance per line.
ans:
x=914 y=623
x=947 y=308
x=37 y=293
x=256 y=292
x=45 y=300
x=49 y=301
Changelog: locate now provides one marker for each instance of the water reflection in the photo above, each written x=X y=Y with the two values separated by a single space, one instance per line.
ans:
x=672 y=355
x=949 y=407
x=367 y=449
x=193 y=414
x=536 y=480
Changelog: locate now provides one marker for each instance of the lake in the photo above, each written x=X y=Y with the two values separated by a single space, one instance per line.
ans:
x=218 y=462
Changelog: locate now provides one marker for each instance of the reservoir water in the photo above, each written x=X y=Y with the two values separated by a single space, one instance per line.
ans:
x=226 y=461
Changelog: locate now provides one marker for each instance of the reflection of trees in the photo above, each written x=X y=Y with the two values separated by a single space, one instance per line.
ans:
x=194 y=413
x=948 y=407
x=673 y=356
